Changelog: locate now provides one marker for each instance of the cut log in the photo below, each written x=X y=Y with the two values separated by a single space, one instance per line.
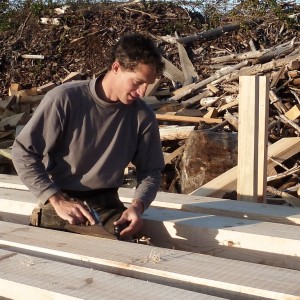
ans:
x=207 y=155
x=170 y=133
x=212 y=33
x=281 y=150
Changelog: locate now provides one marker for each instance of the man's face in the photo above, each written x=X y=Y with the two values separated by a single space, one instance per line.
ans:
x=130 y=85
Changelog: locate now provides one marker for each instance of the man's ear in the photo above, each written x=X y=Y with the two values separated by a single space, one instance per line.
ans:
x=116 y=67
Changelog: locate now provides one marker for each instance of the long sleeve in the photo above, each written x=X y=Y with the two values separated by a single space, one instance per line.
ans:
x=31 y=148
x=149 y=163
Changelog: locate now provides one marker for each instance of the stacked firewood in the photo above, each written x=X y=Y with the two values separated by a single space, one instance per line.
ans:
x=199 y=89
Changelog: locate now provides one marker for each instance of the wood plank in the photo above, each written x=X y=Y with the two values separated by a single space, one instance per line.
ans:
x=17 y=203
x=71 y=76
x=252 y=139
x=152 y=88
x=262 y=159
x=12 y=182
x=197 y=272
x=172 y=72
x=175 y=133
x=165 y=117
x=243 y=239
x=38 y=278
x=293 y=113
x=46 y=87
x=175 y=153
x=222 y=207
x=189 y=72
x=240 y=239
x=280 y=151
x=248 y=139
x=6 y=153
x=12 y=121
x=7 y=133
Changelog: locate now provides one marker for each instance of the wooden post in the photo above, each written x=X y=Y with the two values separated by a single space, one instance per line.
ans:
x=263 y=112
x=252 y=138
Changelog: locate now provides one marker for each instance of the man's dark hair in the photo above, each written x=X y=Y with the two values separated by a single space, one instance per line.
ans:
x=135 y=48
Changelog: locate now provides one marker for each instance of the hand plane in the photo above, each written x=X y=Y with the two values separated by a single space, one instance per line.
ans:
x=97 y=230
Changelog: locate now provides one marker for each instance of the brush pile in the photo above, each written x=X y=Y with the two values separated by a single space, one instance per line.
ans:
x=205 y=53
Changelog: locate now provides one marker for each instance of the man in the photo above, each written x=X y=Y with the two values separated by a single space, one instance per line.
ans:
x=73 y=151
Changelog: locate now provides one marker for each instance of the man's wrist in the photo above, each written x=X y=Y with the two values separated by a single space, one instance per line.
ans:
x=137 y=203
x=57 y=197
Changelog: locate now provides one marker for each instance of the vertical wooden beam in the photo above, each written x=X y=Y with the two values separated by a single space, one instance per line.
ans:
x=252 y=157
x=262 y=159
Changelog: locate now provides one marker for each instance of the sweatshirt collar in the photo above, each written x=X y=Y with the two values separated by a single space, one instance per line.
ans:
x=92 y=87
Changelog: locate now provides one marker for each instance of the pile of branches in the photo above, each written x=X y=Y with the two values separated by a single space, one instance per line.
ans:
x=205 y=53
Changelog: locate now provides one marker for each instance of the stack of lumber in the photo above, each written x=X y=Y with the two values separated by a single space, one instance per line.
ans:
x=198 y=247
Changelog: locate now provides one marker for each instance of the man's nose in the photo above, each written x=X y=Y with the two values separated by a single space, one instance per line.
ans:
x=142 y=90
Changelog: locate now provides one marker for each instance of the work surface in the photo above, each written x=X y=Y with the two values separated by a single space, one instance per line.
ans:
x=202 y=248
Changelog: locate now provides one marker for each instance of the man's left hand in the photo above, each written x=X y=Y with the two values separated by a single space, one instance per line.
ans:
x=133 y=216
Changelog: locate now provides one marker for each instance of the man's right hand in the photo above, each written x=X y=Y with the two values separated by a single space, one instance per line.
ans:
x=73 y=212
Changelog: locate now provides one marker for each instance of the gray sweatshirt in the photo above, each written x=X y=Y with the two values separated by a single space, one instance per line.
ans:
x=76 y=141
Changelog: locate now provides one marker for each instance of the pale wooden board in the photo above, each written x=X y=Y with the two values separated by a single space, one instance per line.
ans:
x=172 y=72
x=29 y=277
x=221 y=207
x=211 y=235
x=188 y=69
x=279 y=151
x=16 y=205
x=247 y=138
x=210 y=275
x=226 y=237
x=263 y=111
x=248 y=240
x=252 y=134
x=11 y=181
x=23 y=203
